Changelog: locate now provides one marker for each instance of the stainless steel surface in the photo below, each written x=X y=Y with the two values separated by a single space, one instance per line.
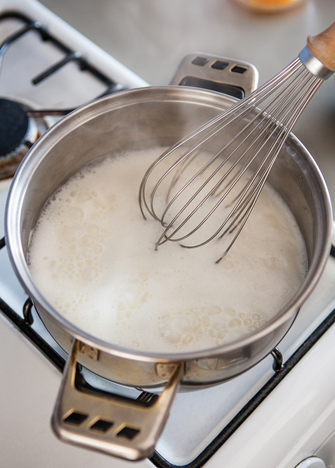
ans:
x=314 y=65
x=126 y=429
x=109 y=124
x=241 y=147
x=213 y=70
x=151 y=38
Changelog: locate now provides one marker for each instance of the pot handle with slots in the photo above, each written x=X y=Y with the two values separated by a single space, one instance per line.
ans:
x=111 y=424
x=226 y=75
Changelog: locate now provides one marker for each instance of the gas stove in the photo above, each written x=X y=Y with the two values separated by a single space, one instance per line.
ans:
x=277 y=414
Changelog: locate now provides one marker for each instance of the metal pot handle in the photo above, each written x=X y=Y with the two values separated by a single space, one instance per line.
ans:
x=115 y=425
x=226 y=75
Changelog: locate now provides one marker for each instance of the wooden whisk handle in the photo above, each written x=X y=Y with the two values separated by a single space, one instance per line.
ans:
x=322 y=46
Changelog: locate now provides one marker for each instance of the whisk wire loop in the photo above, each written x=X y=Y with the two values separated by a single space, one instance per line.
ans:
x=217 y=130
x=219 y=120
x=226 y=162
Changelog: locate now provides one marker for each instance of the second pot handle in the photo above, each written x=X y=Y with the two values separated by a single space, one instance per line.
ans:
x=115 y=425
x=226 y=75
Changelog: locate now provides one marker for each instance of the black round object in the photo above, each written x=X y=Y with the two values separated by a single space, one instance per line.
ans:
x=13 y=125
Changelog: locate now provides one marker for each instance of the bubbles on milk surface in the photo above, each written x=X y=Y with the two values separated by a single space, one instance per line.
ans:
x=214 y=323
x=79 y=234
x=92 y=256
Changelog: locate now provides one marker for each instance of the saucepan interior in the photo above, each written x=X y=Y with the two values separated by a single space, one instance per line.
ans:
x=142 y=119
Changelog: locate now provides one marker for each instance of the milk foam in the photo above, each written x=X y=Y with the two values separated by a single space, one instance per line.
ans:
x=93 y=257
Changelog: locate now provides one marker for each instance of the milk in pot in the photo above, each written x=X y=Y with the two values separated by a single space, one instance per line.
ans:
x=93 y=257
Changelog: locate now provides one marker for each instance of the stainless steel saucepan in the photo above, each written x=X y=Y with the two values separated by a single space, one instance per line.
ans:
x=139 y=119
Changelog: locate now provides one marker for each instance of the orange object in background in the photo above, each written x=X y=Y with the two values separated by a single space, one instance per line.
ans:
x=270 y=5
x=272 y=2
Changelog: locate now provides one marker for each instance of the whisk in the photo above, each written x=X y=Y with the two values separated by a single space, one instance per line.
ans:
x=210 y=180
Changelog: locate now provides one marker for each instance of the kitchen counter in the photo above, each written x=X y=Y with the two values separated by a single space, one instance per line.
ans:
x=151 y=38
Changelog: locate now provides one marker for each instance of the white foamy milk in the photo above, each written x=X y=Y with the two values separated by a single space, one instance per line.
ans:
x=92 y=255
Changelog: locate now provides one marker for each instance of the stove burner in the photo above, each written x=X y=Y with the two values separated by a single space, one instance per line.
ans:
x=21 y=126
x=13 y=126
x=18 y=132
